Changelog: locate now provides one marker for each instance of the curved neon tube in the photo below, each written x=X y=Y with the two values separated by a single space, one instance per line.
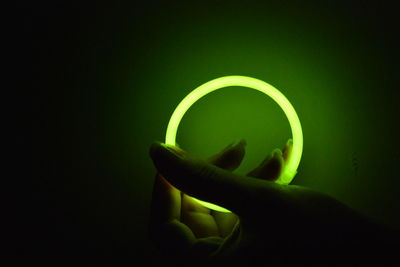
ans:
x=293 y=162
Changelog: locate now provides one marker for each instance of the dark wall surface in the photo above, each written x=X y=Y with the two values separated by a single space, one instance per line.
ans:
x=108 y=77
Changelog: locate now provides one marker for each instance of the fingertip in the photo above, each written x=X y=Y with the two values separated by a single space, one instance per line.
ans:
x=230 y=157
x=167 y=159
x=277 y=153
x=287 y=149
x=289 y=142
x=236 y=144
x=242 y=142
x=277 y=157
x=153 y=148
x=239 y=146
x=158 y=149
x=270 y=168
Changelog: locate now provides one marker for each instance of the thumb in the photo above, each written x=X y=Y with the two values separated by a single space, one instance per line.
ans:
x=200 y=179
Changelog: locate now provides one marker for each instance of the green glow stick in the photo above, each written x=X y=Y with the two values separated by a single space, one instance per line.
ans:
x=293 y=162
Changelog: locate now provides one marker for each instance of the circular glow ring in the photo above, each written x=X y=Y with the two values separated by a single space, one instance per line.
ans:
x=293 y=162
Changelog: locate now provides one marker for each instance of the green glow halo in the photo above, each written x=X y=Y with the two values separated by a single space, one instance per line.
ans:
x=293 y=162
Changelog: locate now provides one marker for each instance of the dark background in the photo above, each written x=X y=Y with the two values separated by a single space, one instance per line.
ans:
x=106 y=79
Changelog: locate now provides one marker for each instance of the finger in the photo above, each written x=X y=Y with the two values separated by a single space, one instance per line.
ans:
x=198 y=218
x=230 y=157
x=287 y=150
x=165 y=216
x=202 y=180
x=225 y=221
x=191 y=205
x=166 y=202
x=270 y=168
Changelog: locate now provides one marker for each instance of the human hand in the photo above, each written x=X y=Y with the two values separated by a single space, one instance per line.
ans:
x=268 y=221
x=180 y=224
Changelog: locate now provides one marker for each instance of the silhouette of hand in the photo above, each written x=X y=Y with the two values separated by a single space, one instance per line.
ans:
x=268 y=221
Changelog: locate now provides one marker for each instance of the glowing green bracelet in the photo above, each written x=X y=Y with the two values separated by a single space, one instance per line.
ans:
x=293 y=162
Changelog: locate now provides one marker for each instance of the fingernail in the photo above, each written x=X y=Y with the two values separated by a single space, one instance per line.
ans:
x=289 y=142
x=277 y=153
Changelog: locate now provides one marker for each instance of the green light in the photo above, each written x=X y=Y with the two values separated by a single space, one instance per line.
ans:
x=293 y=162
